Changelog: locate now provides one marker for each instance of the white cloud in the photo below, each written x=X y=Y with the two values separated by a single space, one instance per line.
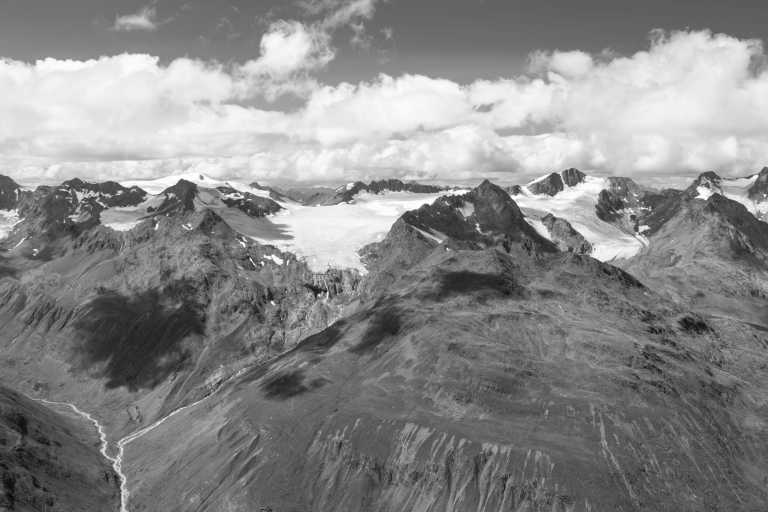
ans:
x=145 y=19
x=692 y=101
x=289 y=47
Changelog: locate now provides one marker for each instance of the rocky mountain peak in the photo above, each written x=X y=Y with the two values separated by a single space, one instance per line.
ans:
x=250 y=204
x=178 y=198
x=9 y=193
x=550 y=185
x=759 y=189
x=573 y=177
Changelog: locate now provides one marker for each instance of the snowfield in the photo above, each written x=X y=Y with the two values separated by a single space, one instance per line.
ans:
x=155 y=187
x=8 y=219
x=577 y=206
x=330 y=236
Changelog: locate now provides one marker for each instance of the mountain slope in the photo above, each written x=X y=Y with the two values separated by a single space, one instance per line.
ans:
x=50 y=462
x=485 y=371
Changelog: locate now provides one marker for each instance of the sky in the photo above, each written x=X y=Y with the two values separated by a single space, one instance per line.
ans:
x=327 y=91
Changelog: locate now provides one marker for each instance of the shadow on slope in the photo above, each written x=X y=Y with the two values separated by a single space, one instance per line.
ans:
x=138 y=338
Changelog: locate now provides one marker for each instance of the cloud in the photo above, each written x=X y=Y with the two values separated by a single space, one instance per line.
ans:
x=690 y=101
x=145 y=19
x=289 y=47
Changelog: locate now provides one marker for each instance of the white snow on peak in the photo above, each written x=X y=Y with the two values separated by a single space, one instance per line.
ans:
x=330 y=236
x=201 y=180
x=577 y=205
x=704 y=192
x=467 y=210
x=429 y=235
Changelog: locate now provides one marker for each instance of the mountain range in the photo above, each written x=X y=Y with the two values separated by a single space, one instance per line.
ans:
x=576 y=343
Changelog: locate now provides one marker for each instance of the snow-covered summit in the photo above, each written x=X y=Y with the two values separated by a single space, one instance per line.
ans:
x=158 y=185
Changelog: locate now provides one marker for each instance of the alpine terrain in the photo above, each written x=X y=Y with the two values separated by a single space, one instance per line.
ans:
x=577 y=343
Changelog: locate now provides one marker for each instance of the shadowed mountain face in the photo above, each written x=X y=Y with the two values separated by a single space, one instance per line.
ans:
x=49 y=461
x=139 y=339
x=478 y=364
x=9 y=193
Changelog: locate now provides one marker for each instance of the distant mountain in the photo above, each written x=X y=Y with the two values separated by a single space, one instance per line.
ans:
x=347 y=193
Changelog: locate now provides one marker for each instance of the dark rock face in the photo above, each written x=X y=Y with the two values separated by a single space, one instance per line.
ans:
x=609 y=206
x=566 y=238
x=250 y=204
x=179 y=198
x=586 y=381
x=108 y=194
x=514 y=190
x=759 y=189
x=550 y=185
x=347 y=194
x=9 y=193
x=572 y=177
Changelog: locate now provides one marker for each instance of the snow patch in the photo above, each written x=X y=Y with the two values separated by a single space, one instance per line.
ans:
x=467 y=210
x=276 y=259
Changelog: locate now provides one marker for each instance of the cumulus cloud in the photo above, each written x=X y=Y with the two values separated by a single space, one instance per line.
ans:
x=691 y=101
x=145 y=19
x=289 y=47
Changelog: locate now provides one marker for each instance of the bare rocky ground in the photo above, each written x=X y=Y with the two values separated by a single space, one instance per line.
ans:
x=475 y=367
x=49 y=461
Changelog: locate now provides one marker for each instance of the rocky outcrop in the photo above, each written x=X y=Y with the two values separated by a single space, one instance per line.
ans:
x=550 y=185
x=250 y=204
x=348 y=192
x=759 y=189
x=572 y=177
x=10 y=192
x=609 y=206
x=179 y=198
x=567 y=239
